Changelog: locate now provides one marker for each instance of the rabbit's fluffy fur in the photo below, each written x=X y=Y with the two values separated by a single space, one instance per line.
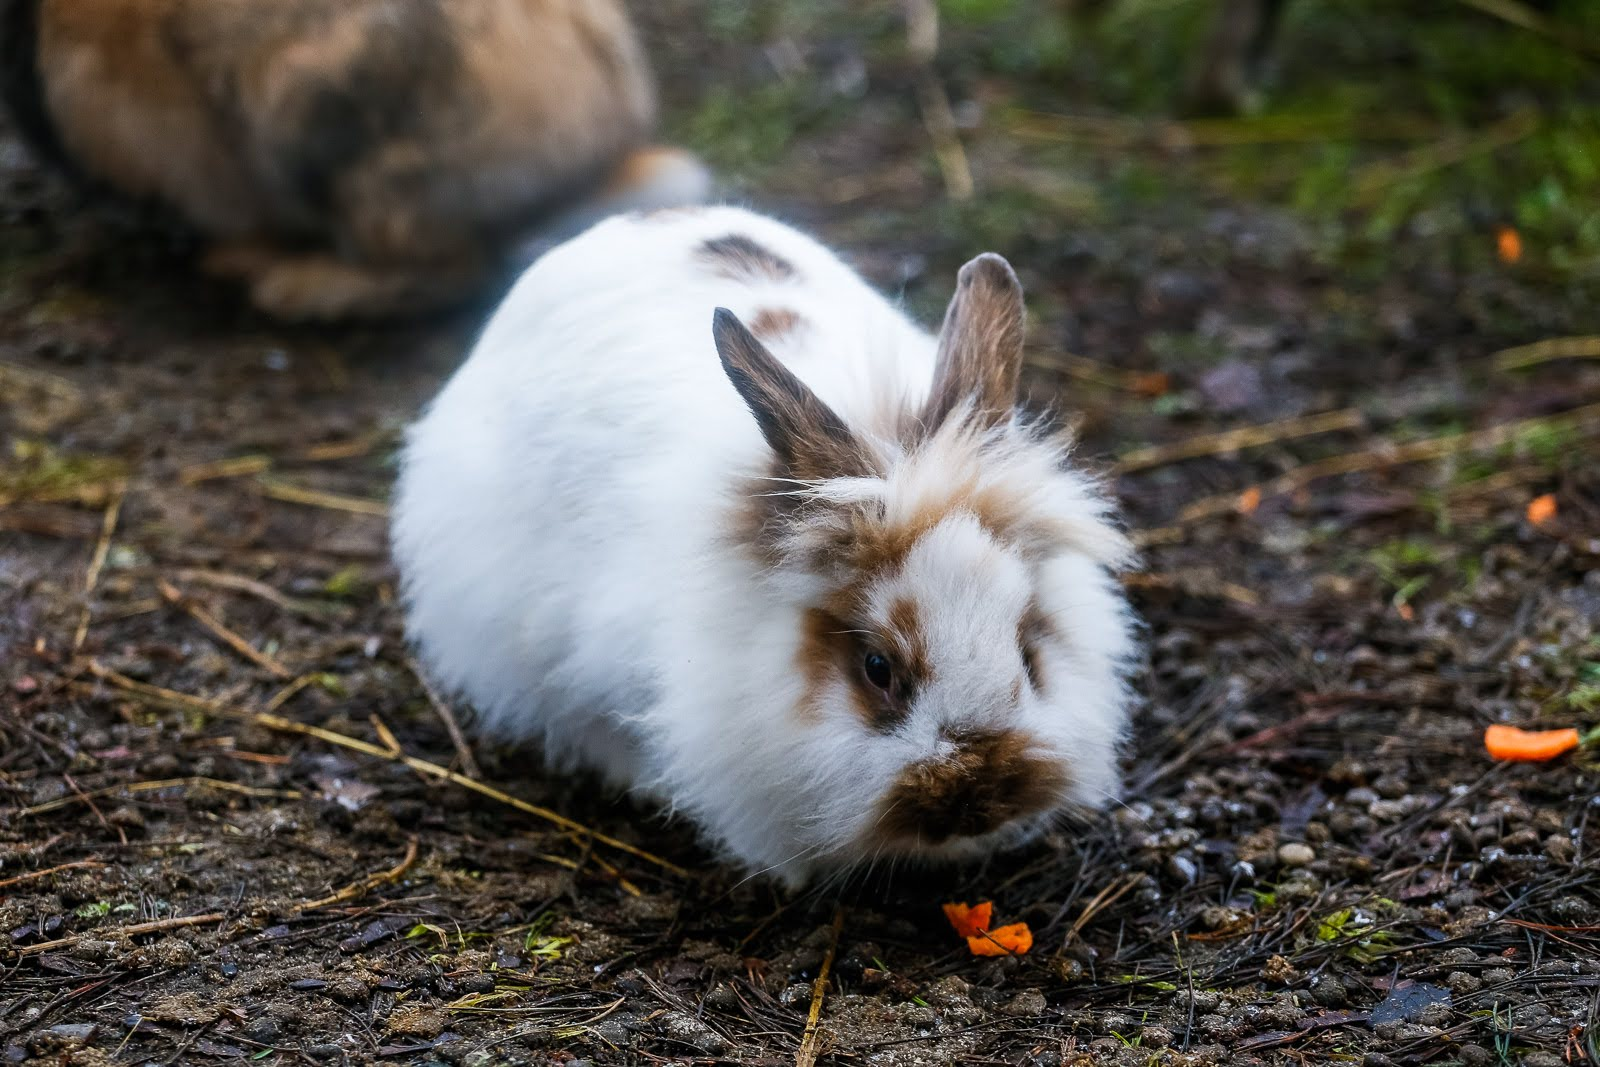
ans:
x=350 y=157
x=675 y=572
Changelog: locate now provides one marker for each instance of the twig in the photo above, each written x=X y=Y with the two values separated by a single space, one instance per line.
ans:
x=260 y=590
x=172 y=595
x=97 y=562
x=1369 y=183
x=811 y=1040
x=154 y=927
x=1545 y=351
x=1391 y=454
x=433 y=770
x=79 y=794
x=1212 y=444
x=236 y=467
x=315 y=498
x=371 y=881
x=922 y=41
x=31 y=875
x=156 y=786
x=469 y=765
x=1519 y=14
x=1195 y=583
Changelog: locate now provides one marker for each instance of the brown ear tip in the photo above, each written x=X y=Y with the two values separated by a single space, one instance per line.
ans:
x=991 y=269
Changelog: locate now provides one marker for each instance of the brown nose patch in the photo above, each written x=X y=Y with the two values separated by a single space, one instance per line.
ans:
x=990 y=779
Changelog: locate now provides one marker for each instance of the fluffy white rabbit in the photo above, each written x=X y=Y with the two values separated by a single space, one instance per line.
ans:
x=706 y=514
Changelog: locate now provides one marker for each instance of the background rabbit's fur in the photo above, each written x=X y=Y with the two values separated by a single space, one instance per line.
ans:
x=350 y=156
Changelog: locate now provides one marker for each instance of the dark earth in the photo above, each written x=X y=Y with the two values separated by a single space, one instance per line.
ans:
x=1316 y=861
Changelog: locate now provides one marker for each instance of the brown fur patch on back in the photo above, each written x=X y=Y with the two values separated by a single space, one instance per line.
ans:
x=771 y=323
x=991 y=779
x=743 y=259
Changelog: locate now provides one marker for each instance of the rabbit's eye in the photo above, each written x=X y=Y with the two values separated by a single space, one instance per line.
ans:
x=878 y=671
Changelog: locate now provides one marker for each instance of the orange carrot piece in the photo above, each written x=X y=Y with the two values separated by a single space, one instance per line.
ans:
x=1013 y=940
x=969 y=922
x=1508 y=244
x=1541 y=509
x=1513 y=743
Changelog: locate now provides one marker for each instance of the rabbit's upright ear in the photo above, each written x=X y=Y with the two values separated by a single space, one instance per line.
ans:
x=980 y=345
x=808 y=437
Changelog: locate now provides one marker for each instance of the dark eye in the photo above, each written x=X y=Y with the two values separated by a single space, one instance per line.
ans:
x=878 y=671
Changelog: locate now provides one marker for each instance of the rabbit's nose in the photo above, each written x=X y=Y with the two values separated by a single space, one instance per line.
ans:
x=989 y=779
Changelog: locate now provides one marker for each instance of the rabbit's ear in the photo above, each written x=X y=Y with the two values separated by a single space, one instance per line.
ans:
x=980 y=345
x=807 y=435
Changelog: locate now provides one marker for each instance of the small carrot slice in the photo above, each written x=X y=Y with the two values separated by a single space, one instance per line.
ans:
x=1513 y=743
x=969 y=922
x=1541 y=509
x=1013 y=940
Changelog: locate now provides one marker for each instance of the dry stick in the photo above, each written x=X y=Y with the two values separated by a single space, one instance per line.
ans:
x=31 y=875
x=1545 y=351
x=315 y=498
x=155 y=786
x=1519 y=14
x=239 y=583
x=155 y=927
x=922 y=41
x=1194 y=583
x=1369 y=182
x=811 y=1040
x=1212 y=444
x=97 y=562
x=1391 y=454
x=457 y=738
x=433 y=770
x=371 y=881
x=172 y=595
x=224 y=468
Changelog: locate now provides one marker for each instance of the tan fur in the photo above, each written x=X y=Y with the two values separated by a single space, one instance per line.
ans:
x=769 y=324
x=401 y=141
x=989 y=780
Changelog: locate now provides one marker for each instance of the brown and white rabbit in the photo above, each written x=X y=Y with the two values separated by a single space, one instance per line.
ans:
x=706 y=514
x=348 y=157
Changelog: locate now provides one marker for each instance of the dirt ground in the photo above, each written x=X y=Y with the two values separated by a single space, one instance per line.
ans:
x=1316 y=861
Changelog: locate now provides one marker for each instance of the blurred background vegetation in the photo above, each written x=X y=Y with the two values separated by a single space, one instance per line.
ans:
x=1399 y=136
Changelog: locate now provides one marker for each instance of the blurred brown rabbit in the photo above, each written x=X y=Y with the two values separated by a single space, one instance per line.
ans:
x=347 y=157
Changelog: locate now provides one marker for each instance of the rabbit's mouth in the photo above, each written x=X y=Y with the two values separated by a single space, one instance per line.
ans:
x=990 y=782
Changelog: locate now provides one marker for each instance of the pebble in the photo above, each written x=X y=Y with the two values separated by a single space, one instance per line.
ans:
x=1295 y=854
x=1026 y=1004
x=685 y=1027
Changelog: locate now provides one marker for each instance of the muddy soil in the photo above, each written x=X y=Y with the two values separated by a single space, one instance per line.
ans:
x=1315 y=862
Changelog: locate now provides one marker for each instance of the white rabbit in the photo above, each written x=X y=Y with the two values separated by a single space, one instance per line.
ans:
x=830 y=596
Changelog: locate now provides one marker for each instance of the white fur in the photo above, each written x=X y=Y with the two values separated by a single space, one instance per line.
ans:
x=563 y=528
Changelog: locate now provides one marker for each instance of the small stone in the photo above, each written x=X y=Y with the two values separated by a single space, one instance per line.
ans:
x=1474 y=1056
x=1376 y=1059
x=1030 y=1003
x=323 y=1052
x=1542 y=1059
x=1295 y=854
x=1463 y=984
x=686 y=1028
x=76 y=1032
x=1329 y=991
x=721 y=998
x=1157 y=1037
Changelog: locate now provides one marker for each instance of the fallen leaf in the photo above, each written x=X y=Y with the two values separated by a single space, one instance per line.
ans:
x=969 y=921
x=1508 y=244
x=1541 y=509
x=1013 y=940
